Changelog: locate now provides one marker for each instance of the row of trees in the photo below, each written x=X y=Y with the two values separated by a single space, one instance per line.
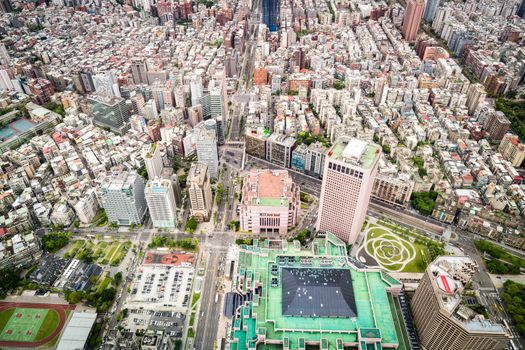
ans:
x=161 y=241
x=514 y=298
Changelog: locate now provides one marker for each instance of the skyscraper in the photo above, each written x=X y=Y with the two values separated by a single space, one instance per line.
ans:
x=195 y=90
x=161 y=202
x=122 y=197
x=350 y=168
x=206 y=145
x=139 y=72
x=443 y=321
x=110 y=112
x=270 y=13
x=199 y=190
x=412 y=19
x=153 y=160
x=430 y=10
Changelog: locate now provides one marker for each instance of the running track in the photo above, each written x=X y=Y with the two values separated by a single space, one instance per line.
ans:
x=59 y=308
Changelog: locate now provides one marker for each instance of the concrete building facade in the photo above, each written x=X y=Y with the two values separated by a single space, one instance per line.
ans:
x=161 y=202
x=199 y=190
x=349 y=173
x=270 y=202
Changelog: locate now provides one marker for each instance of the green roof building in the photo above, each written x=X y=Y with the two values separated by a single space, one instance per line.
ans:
x=314 y=298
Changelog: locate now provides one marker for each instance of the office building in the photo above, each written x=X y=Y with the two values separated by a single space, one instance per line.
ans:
x=512 y=149
x=521 y=9
x=311 y=296
x=349 y=172
x=199 y=189
x=206 y=146
x=109 y=112
x=121 y=194
x=314 y=159
x=270 y=14
x=196 y=90
x=161 y=202
x=153 y=160
x=270 y=202
x=5 y=59
x=412 y=19
x=430 y=10
x=215 y=101
x=139 y=72
x=442 y=319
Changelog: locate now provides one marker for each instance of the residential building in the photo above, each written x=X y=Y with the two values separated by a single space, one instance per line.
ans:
x=350 y=168
x=121 y=194
x=412 y=19
x=270 y=202
x=497 y=125
x=42 y=89
x=394 y=190
x=87 y=206
x=442 y=319
x=153 y=160
x=161 y=202
x=512 y=149
x=199 y=189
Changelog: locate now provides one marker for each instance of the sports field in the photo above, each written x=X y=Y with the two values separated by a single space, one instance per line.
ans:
x=28 y=324
x=31 y=325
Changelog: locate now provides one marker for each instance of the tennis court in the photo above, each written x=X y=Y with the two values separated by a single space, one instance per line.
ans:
x=23 y=325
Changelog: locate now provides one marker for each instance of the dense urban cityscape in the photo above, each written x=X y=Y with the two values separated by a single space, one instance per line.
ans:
x=262 y=174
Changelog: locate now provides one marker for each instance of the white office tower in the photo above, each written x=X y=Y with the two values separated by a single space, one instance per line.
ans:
x=350 y=169
x=199 y=190
x=195 y=89
x=206 y=144
x=153 y=160
x=121 y=194
x=5 y=80
x=218 y=99
x=106 y=84
x=4 y=56
x=161 y=202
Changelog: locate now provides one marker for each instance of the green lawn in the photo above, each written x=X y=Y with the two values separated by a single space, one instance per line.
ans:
x=5 y=316
x=103 y=284
x=50 y=324
x=392 y=243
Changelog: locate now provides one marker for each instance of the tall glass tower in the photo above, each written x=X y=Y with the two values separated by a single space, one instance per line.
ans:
x=270 y=12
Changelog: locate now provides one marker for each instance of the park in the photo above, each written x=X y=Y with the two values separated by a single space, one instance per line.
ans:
x=392 y=250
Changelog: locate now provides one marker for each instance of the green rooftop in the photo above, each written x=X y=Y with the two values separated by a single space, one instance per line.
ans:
x=355 y=151
x=262 y=321
x=270 y=202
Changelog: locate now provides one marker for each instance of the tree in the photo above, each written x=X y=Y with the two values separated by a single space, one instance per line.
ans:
x=55 y=241
x=338 y=84
x=424 y=202
x=9 y=279
x=73 y=297
x=514 y=298
x=117 y=279
x=191 y=225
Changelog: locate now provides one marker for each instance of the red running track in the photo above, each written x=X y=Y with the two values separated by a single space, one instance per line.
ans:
x=59 y=308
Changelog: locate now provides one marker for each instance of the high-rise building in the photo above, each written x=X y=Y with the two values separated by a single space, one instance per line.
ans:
x=153 y=160
x=161 y=202
x=496 y=125
x=350 y=169
x=279 y=149
x=105 y=83
x=4 y=56
x=199 y=189
x=196 y=90
x=475 y=96
x=442 y=320
x=270 y=14
x=521 y=9
x=512 y=149
x=392 y=189
x=412 y=19
x=139 y=72
x=206 y=146
x=121 y=194
x=430 y=10
x=42 y=89
x=110 y=112
x=87 y=206
x=270 y=202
